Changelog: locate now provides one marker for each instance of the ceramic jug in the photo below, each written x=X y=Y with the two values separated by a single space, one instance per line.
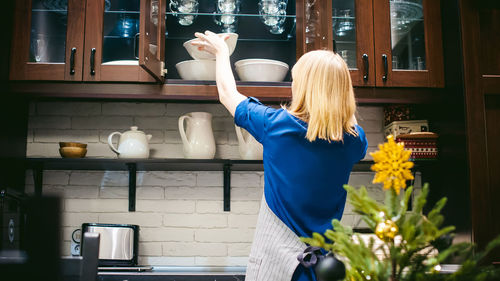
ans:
x=250 y=148
x=132 y=144
x=198 y=139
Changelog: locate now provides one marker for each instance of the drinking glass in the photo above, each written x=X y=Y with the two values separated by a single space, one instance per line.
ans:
x=185 y=10
x=39 y=46
x=345 y=23
x=226 y=10
x=273 y=14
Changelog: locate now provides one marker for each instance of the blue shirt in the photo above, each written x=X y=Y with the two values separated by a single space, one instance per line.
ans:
x=303 y=180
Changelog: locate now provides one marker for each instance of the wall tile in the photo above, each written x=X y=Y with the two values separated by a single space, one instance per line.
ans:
x=161 y=234
x=69 y=108
x=56 y=136
x=195 y=220
x=166 y=206
x=194 y=193
x=133 y=109
x=97 y=206
x=49 y=122
x=207 y=179
x=101 y=122
x=242 y=221
x=141 y=219
x=77 y=219
x=245 y=179
x=150 y=249
x=169 y=179
x=224 y=235
x=180 y=249
x=239 y=249
x=210 y=207
x=78 y=192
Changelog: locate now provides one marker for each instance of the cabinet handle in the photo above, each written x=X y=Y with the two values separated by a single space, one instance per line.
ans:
x=384 y=60
x=92 y=61
x=72 y=61
x=136 y=38
x=366 y=64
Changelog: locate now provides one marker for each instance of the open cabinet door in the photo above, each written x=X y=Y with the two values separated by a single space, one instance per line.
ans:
x=152 y=39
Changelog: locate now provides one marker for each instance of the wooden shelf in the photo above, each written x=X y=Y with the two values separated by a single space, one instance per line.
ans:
x=38 y=165
x=206 y=91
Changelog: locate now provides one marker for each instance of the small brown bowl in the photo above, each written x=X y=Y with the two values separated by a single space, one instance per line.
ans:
x=72 y=152
x=72 y=144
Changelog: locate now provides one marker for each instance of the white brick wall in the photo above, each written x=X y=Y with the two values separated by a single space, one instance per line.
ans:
x=180 y=213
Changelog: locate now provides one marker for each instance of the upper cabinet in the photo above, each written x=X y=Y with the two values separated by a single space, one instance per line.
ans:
x=93 y=40
x=408 y=43
x=393 y=43
x=386 y=43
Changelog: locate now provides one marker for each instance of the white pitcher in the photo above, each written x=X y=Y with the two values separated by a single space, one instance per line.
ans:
x=198 y=139
x=132 y=144
x=250 y=148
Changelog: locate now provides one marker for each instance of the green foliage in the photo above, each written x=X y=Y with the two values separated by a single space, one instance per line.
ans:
x=410 y=256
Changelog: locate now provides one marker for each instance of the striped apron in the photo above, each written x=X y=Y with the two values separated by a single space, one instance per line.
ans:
x=275 y=247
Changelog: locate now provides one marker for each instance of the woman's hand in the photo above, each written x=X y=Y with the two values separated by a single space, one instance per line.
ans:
x=212 y=43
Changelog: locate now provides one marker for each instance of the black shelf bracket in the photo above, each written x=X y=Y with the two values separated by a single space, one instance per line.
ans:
x=227 y=187
x=132 y=182
x=38 y=179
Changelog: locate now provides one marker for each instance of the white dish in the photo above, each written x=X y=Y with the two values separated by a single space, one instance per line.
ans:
x=122 y=62
x=262 y=70
x=196 y=69
x=204 y=55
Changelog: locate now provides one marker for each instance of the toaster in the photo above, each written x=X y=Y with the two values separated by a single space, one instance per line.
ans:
x=119 y=243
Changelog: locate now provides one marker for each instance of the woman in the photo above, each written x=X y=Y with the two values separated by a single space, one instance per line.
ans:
x=309 y=151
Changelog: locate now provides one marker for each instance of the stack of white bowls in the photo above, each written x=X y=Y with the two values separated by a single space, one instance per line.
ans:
x=263 y=70
x=202 y=67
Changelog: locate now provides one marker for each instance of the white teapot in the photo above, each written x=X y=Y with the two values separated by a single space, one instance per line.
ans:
x=250 y=148
x=132 y=144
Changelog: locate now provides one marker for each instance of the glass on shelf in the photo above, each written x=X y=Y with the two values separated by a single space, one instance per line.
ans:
x=344 y=30
x=48 y=31
x=407 y=35
x=265 y=28
x=226 y=12
x=121 y=32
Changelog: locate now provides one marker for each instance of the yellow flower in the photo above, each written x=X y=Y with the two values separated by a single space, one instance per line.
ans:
x=391 y=165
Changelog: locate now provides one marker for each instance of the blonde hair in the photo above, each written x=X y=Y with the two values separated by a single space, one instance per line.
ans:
x=322 y=96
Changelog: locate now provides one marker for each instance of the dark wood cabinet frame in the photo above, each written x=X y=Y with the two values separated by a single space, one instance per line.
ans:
x=372 y=35
x=482 y=101
x=434 y=75
x=22 y=69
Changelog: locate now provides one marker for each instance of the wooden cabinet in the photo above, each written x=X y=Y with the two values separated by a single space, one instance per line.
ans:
x=386 y=43
x=93 y=40
x=408 y=43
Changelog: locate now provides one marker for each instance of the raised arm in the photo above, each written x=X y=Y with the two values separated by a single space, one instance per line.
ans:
x=226 y=86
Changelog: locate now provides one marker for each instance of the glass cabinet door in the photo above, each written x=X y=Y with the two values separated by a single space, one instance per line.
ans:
x=408 y=43
x=352 y=33
x=51 y=45
x=120 y=32
x=112 y=41
x=265 y=31
x=49 y=20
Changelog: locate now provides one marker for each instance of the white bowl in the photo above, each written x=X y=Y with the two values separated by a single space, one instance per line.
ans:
x=204 y=55
x=196 y=69
x=263 y=70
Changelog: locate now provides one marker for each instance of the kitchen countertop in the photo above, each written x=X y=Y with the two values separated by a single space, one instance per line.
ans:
x=180 y=273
